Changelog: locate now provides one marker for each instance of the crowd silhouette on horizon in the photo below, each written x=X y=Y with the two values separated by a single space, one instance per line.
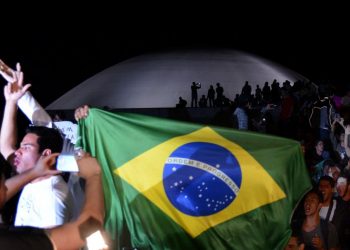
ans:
x=275 y=108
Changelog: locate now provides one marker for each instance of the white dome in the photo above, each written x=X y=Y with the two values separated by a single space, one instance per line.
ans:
x=157 y=80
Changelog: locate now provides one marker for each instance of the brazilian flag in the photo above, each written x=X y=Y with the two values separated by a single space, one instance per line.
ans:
x=177 y=185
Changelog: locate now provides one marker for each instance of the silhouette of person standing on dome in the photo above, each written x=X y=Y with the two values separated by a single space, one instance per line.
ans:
x=194 y=100
x=211 y=96
x=247 y=89
x=219 y=95
x=266 y=92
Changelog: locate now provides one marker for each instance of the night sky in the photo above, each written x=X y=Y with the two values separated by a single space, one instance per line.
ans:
x=56 y=56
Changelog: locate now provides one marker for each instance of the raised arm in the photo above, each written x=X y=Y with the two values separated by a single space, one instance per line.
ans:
x=347 y=140
x=72 y=235
x=6 y=71
x=346 y=136
x=12 y=92
x=332 y=137
x=27 y=103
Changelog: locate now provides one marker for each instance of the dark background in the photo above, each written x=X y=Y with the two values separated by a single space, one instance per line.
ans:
x=59 y=51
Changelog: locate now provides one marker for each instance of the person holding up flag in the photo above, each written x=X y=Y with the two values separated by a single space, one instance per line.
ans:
x=189 y=186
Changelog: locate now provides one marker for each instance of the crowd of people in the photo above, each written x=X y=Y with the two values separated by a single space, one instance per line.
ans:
x=317 y=116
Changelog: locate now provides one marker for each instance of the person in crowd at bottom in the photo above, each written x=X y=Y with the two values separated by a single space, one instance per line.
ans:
x=343 y=189
x=332 y=210
x=317 y=233
x=294 y=243
x=72 y=235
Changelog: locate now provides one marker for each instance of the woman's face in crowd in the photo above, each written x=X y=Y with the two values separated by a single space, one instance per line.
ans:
x=320 y=146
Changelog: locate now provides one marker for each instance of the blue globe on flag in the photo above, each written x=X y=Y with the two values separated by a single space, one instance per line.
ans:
x=201 y=178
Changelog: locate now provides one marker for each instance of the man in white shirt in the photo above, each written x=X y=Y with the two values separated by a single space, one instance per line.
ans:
x=38 y=116
x=46 y=201
x=72 y=235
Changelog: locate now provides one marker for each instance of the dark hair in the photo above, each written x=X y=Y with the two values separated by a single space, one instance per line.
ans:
x=327 y=178
x=49 y=138
x=329 y=162
x=317 y=192
x=317 y=141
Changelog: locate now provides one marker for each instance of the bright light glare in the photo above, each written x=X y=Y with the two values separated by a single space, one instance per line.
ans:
x=96 y=242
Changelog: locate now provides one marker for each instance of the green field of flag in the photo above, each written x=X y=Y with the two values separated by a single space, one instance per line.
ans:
x=177 y=185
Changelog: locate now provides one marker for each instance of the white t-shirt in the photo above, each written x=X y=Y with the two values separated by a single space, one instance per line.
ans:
x=324 y=211
x=44 y=204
